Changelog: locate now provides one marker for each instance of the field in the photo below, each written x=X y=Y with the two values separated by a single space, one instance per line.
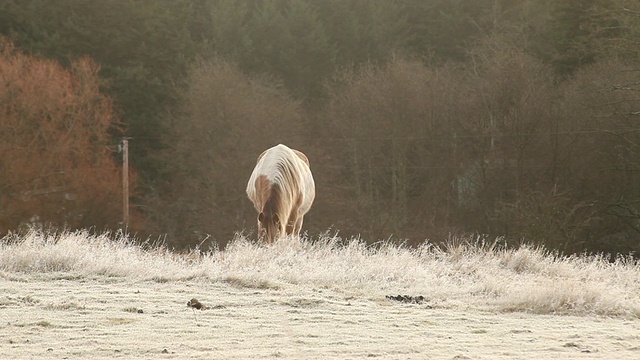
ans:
x=76 y=295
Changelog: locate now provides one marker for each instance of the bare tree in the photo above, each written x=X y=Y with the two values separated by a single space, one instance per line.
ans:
x=397 y=141
x=227 y=120
x=602 y=105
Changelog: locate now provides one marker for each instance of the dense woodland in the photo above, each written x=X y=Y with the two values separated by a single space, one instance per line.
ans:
x=422 y=119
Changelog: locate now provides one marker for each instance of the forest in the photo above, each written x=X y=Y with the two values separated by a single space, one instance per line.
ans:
x=516 y=120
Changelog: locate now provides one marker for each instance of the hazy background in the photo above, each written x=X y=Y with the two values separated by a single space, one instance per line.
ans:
x=421 y=118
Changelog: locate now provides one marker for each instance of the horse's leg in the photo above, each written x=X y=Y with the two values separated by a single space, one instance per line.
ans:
x=291 y=224
x=295 y=219
x=298 y=226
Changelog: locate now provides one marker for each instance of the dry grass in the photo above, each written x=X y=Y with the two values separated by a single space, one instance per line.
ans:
x=466 y=274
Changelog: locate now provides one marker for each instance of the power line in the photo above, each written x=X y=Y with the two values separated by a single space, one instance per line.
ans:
x=435 y=136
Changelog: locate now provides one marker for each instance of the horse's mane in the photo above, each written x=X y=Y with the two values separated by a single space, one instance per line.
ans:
x=282 y=167
x=274 y=204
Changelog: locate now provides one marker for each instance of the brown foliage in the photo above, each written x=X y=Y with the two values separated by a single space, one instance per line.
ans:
x=494 y=147
x=54 y=134
x=396 y=125
x=561 y=167
x=601 y=107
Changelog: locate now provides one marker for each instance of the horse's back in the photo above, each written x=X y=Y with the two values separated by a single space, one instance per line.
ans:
x=272 y=165
x=302 y=156
x=272 y=160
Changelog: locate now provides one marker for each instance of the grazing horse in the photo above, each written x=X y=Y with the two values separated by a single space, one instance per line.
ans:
x=282 y=190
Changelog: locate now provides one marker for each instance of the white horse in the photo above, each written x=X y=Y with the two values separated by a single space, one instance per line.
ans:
x=282 y=190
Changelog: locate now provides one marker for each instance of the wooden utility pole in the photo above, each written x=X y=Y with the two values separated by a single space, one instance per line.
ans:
x=456 y=177
x=125 y=183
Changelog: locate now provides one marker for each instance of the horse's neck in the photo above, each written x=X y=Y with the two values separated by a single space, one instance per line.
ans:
x=280 y=201
x=273 y=201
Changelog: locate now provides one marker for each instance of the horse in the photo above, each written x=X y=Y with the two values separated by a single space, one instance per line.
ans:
x=282 y=190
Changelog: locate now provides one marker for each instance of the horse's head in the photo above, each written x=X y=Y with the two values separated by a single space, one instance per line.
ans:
x=269 y=226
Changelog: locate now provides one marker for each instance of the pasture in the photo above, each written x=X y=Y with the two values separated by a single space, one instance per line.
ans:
x=76 y=295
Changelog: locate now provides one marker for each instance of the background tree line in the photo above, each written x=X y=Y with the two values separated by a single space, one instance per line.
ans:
x=421 y=118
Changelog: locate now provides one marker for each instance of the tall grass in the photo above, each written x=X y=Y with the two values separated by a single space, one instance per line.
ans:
x=465 y=274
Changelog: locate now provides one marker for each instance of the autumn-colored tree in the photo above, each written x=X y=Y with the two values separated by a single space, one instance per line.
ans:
x=56 y=166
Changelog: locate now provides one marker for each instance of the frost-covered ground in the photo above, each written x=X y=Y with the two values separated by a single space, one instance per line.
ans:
x=76 y=296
